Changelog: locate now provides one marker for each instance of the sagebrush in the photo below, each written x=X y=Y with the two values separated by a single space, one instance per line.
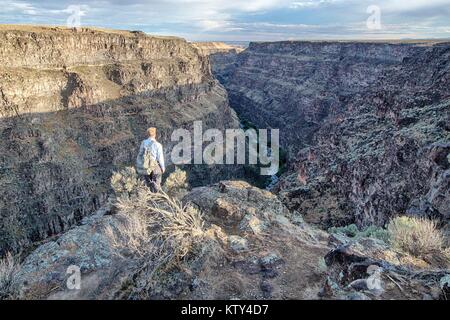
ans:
x=157 y=223
x=416 y=236
x=125 y=182
x=176 y=184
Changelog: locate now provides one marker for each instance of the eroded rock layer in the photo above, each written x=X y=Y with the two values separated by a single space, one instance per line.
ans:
x=296 y=85
x=211 y=48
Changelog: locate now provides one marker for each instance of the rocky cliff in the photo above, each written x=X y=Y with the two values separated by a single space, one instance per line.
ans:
x=296 y=85
x=245 y=245
x=222 y=57
x=211 y=48
x=74 y=105
x=366 y=124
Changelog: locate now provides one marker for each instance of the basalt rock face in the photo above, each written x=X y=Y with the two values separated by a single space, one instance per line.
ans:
x=367 y=125
x=74 y=106
x=294 y=86
x=52 y=69
x=385 y=154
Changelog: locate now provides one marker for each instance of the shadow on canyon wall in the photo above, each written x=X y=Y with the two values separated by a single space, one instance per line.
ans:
x=55 y=166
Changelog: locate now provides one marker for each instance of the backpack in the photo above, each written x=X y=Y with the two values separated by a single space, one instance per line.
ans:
x=145 y=164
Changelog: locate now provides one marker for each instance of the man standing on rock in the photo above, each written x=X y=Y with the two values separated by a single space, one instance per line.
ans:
x=150 y=161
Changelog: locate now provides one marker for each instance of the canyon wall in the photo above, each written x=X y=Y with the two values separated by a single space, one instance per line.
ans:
x=74 y=106
x=222 y=57
x=295 y=85
x=366 y=124
x=211 y=48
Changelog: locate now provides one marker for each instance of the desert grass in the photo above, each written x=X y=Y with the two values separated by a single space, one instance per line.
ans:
x=416 y=236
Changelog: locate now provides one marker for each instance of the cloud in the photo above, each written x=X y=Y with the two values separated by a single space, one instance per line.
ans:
x=310 y=3
x=18 y=7
x=413 y=5
x=243 y=19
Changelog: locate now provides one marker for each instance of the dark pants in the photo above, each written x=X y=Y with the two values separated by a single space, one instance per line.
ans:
x=153 y=181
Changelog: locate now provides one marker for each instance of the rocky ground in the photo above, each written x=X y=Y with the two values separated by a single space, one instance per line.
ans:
x=251 y=247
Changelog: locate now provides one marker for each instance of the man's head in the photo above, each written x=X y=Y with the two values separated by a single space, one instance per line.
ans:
x=151 y=132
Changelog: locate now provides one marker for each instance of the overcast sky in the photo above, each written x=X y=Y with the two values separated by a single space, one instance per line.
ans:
x=245 y=20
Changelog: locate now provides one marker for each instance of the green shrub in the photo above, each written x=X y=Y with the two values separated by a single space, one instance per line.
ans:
x=352 y=231
x=376 y=232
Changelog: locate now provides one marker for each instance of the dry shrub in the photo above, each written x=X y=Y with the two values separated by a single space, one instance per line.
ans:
x=155 y=223
x=161 y=234
x=9 y=267
x=415 y=236
x=125 y=181
x=176 y=183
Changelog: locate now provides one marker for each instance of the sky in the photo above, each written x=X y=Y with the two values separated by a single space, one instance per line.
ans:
x=240 y=20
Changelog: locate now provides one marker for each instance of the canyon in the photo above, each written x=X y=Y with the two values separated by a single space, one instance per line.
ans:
x=365 y=124
x=365 y=127
x=74 y=106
